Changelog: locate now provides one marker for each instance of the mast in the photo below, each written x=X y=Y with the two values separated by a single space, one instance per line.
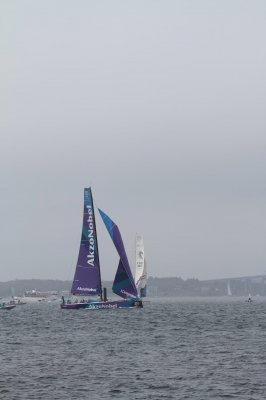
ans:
x=98 y=258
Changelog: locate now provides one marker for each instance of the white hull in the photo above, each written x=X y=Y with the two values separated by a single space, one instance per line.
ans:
x=36 y=299
x=34 y=296
x=30 y=299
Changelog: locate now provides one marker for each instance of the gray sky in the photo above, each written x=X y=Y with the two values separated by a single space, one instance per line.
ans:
x=160 y=107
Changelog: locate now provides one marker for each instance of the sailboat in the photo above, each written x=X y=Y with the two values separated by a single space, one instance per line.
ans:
x=249 y=300
x=229 y=292
x=141 y=267
x=87 y=278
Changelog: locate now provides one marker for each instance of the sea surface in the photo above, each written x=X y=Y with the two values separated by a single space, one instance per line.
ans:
x=170 y=349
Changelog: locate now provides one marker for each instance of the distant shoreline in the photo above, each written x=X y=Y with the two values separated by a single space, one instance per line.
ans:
x=157 y=287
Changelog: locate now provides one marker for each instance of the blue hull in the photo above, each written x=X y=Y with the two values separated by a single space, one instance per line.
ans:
x=104 y=305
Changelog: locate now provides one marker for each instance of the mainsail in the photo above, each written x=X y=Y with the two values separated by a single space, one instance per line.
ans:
x=141 y=267
x=87 y=279
x=124 y=285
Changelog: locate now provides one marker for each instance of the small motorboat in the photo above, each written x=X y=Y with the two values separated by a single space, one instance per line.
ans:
x=7 y=306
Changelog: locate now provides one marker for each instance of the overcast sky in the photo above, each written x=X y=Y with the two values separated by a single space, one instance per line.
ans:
x=160 y=106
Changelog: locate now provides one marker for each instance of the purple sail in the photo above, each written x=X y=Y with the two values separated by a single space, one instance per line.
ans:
x=87 y=279
x=124 y=284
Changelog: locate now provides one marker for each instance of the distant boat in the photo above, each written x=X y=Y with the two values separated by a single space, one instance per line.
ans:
x=7 y=306
x=141 y=267
x=17 y=301
x=229 y=293
x=87 y=279
x=249 y=300
x=35 y=295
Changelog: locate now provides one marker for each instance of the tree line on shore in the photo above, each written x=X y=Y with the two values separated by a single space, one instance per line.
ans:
x=157 y=287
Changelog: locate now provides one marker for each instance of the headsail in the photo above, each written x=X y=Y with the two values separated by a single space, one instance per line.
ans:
x=141 y=267
x=87 y=279
x=124 y=284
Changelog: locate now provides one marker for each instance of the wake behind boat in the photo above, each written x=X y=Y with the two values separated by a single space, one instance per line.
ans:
x=87 y=279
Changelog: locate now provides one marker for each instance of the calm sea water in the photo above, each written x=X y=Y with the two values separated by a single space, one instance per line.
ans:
x=171 y=349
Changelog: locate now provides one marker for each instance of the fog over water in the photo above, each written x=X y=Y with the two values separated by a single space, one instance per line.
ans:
x=160 y=107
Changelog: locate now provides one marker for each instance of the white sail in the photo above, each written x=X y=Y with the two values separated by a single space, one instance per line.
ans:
x=141 y=266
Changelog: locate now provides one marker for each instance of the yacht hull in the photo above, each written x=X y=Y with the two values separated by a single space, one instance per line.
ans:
x=104 y=305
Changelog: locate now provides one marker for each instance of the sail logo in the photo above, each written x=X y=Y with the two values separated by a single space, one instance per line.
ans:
x=98 y=306
x=140 y=254
x=128 y=294
x=85 y=289
x=91 y=240
x=139 y=264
